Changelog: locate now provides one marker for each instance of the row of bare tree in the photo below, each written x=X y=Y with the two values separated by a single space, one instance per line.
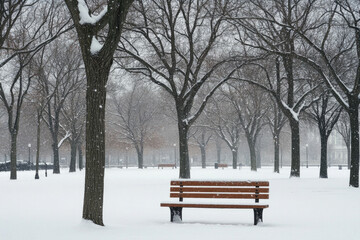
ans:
x=231 y=66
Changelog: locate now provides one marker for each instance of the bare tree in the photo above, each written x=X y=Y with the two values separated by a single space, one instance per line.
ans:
x=25 y=28
x=175 y=45
x=134 y=116
x=249 y=104
x=98 y=33
x=334 y=41
x=226 y=123
x=73 y=113
x=262 y=27
x=62 y=78
x=343 y=127
x=276 y=121
x=325 y=113
x=202 y=136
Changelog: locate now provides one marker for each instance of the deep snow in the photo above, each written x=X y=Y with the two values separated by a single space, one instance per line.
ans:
x=304 y=208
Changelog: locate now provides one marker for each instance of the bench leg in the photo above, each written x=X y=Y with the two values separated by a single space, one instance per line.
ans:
x=175 y=214
x=258 y=215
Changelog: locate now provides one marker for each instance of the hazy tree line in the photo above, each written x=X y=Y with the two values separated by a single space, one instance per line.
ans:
x=221 y=70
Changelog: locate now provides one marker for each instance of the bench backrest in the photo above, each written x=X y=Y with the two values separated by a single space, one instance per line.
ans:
x=220 y=189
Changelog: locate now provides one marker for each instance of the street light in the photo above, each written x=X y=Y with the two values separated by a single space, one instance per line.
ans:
x=29 y=145
x=307 y=155
x=175 y=153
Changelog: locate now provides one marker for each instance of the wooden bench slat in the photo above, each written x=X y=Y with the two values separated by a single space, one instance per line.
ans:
x=196 y=189
x=219 y=183
x=219 y=195
x=194 y=205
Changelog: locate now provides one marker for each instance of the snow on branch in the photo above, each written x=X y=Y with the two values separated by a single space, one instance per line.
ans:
x=86 y=17
x=67 y=135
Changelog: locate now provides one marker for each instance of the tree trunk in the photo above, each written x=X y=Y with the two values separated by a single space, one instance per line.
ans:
x=218 y=151
x=13 y=158
x=55 y=149
x=234 y=152
x=38 y=132
x=323 y=155
x=97 y=73
x=276 y=153
x=348 y=148
x=183 y=149
x=73 y=147
x=354 y=126
x=81 y=164
x=295 y=148
x=252 y=154
x=203 y=156
x=140 y=155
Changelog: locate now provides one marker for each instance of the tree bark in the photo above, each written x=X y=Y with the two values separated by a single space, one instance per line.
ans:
x=55 y=149
x=295 y=148
x=235 y=157
x=354 y=126
x=323 y=155
x=218 y=151
x=13 y=157
x=73 y=146
x=38 y=134
x=183 y=149
x=97 y=76
x=81 y=163
x=276 y=153
x=252 y=154
x=140 y=155
x=203 y=156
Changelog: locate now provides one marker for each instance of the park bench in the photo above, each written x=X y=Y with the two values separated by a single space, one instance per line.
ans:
x=210 y=190
x=220 y=165
x=162 y=165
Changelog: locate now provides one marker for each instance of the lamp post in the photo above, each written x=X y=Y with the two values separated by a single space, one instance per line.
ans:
x=175 y=153
x=29 y=146
x=307 y=155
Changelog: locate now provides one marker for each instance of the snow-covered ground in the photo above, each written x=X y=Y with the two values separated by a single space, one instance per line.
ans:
x=305 y=208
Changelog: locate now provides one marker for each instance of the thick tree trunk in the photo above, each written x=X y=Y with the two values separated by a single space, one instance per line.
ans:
x=81 y=163
x=323 y=155
x=295 y=148
x=354 y=126
x=97 y=73
x=13 y=157
x=55 y=149
x=276 y=153
x=203 y=156
x=183 y=149
x=73 y=147
x=234 y=152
